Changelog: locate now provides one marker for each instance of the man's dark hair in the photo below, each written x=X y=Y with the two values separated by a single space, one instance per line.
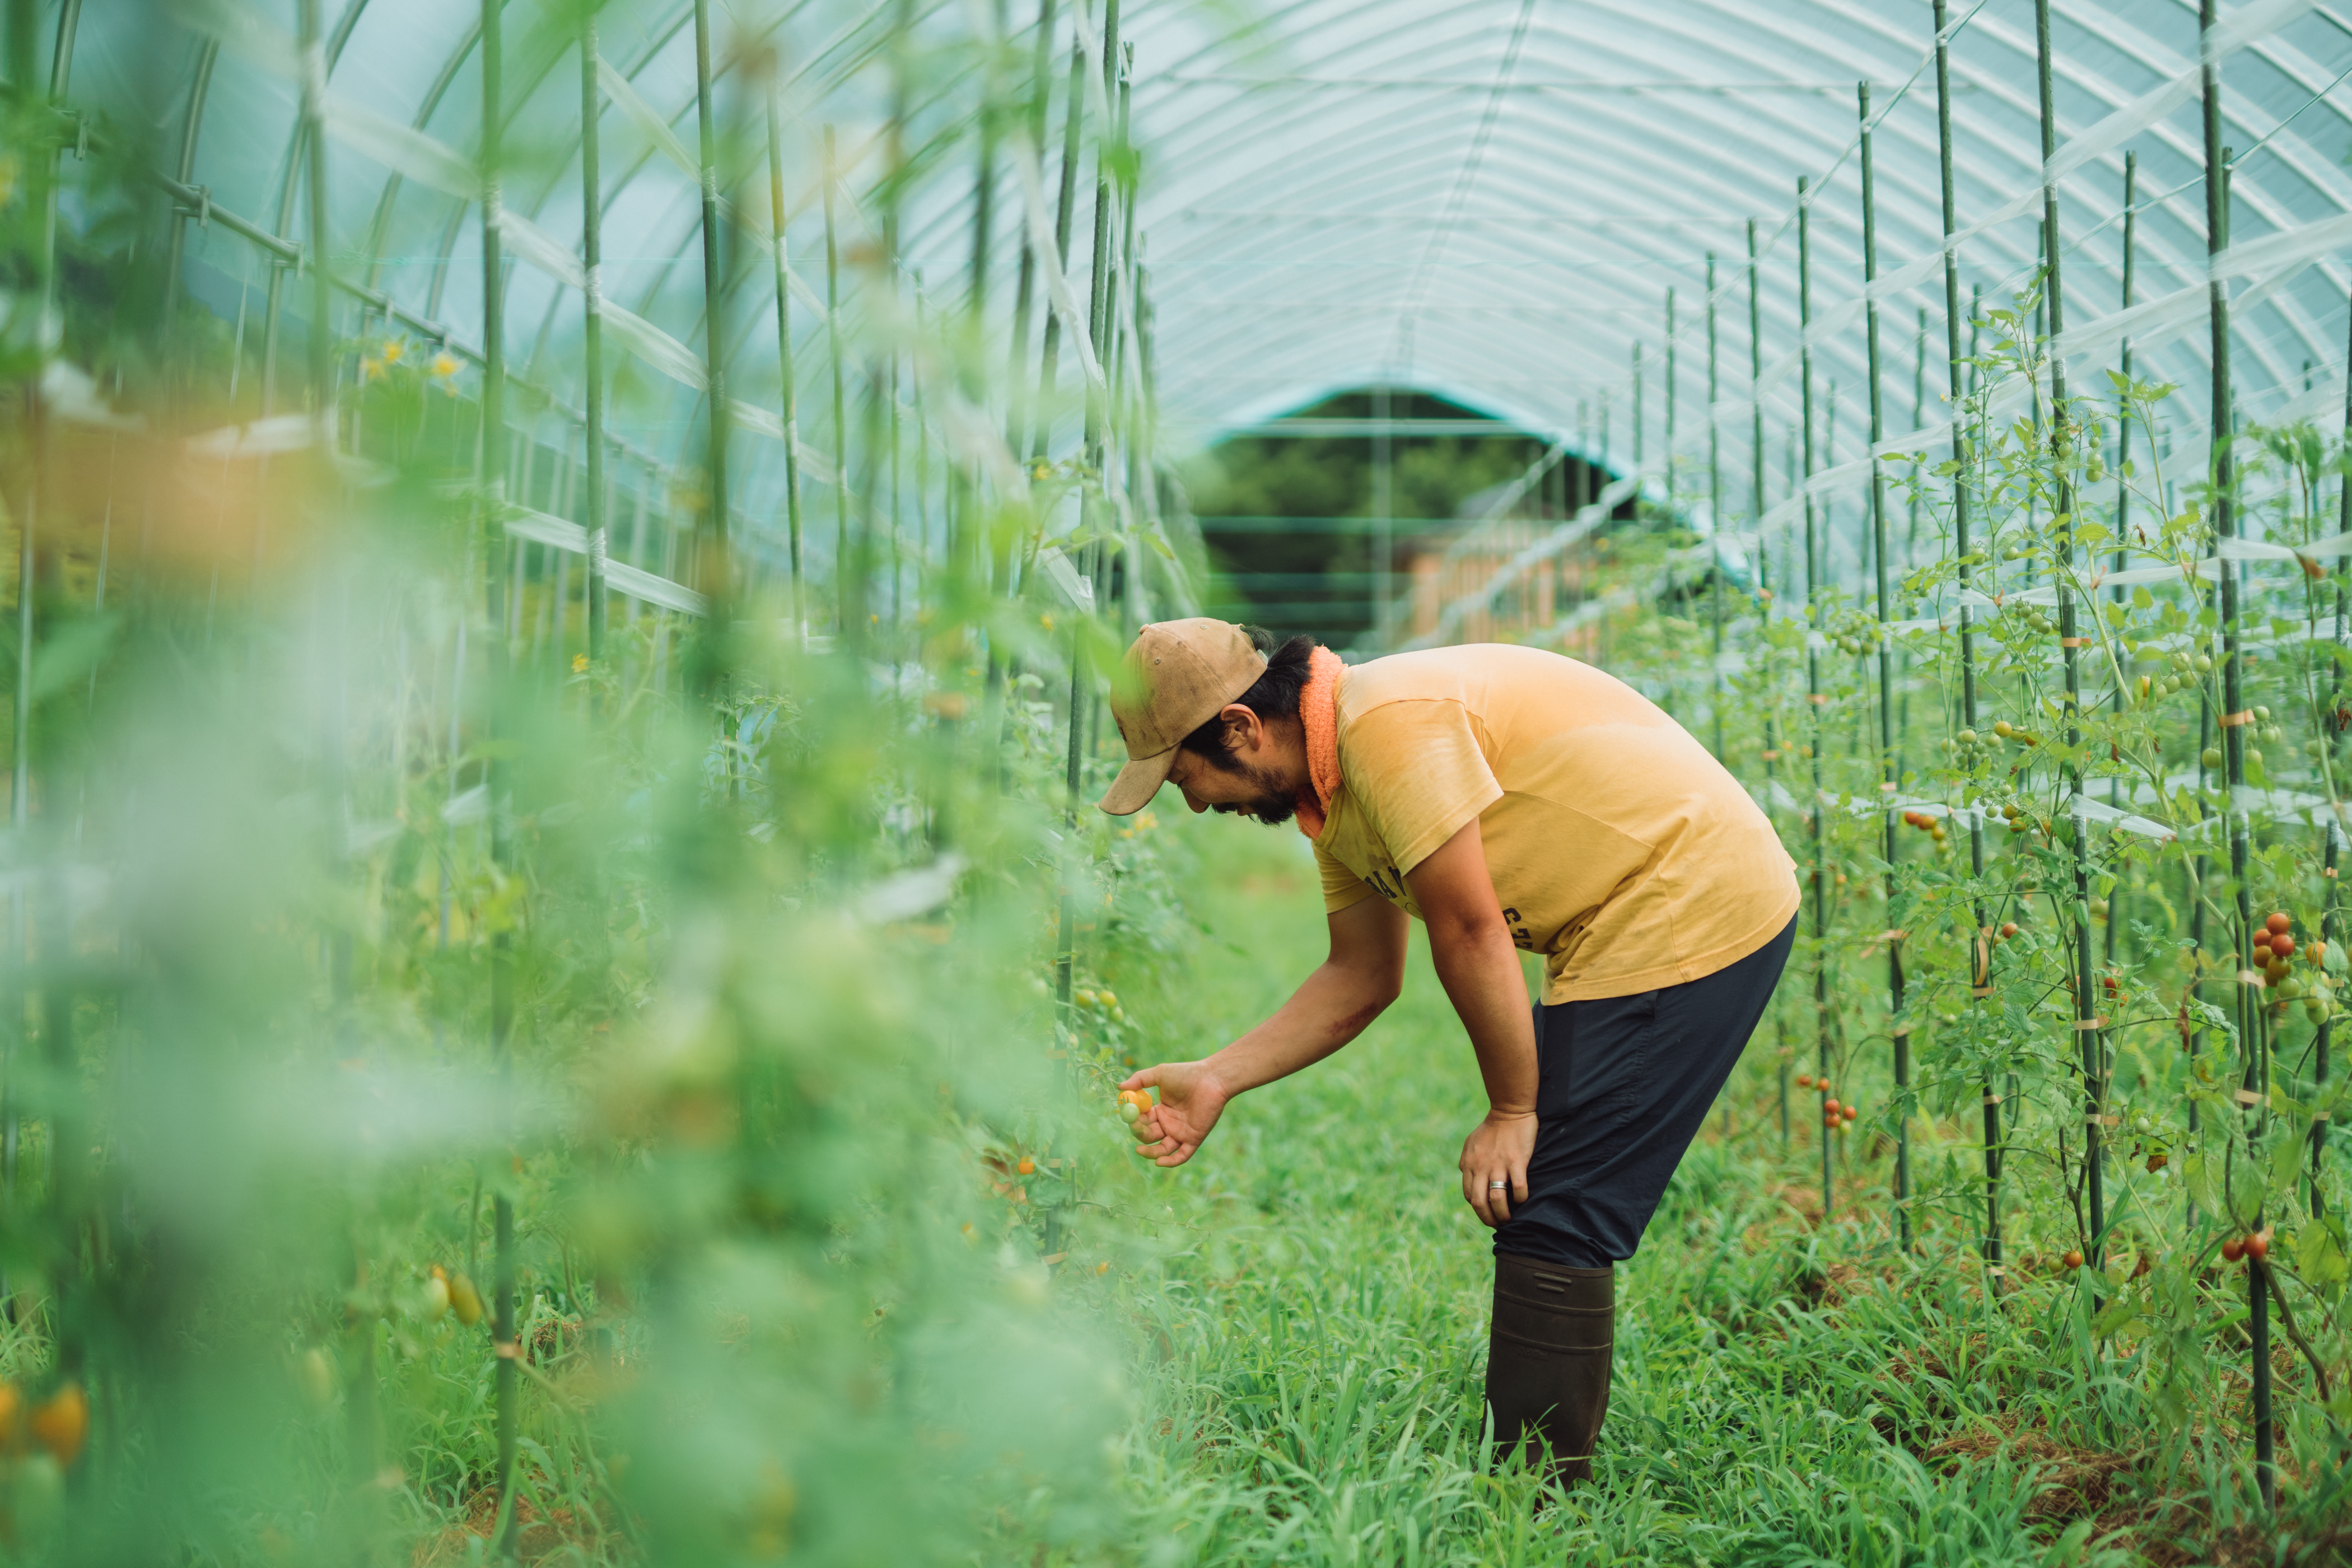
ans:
x=1272 y=695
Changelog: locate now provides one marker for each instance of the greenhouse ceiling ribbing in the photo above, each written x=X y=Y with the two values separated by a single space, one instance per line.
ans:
x=1492 y=201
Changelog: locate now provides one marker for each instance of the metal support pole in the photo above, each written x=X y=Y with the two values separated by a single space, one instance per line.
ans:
x=1669 y=390
x=2344 y=525
x=1066 y=202
x=713 y=572
x=1637 y=417
x=1756 y=510
x=1956 y=357
x=1067 y=937
x=506 y=1389
x=2116 y=913
x=778 y=219
x=1715 y=516
x=844 y=586
x=1756 y=423
x=191 y=122
x=1025 y=287
x=2327 y=932
x=885 y=381
x=1813 y=698
x=1888 y=782
x=1384 y=514
x=2061 y=434
x=592 y=247
x=2234 y=716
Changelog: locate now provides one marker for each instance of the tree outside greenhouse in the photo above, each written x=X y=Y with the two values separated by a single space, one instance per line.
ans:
x=566 y=999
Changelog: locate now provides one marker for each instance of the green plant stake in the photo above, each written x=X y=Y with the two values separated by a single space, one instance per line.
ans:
x=1888 y=778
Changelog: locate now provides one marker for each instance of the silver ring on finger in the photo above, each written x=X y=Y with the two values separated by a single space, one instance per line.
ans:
x=1497 y=1186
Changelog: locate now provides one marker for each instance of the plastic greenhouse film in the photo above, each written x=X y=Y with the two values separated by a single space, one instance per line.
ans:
x=533 y=244
x=243 y=32
x=406 y=151
x=656 y=347
x=2308 y=243
x=2250 y=26
x=624 y=578
x=655 y=129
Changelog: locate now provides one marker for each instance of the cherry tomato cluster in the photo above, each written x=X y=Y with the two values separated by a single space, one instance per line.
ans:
x=2253 y=1247
x=1104 y=1002
x=2276 y=949
x=1835 y=1116
x=1932 y=826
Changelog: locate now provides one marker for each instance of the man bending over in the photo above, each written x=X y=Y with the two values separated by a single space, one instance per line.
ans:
x=1509 y=799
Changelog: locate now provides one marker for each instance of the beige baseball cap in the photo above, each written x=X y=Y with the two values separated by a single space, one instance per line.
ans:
x=1176 y=676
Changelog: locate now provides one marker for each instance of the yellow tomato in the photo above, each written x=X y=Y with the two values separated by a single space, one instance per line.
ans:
x=62 y=1424
x=316 y=1376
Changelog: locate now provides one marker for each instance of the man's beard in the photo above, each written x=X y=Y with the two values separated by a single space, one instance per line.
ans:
x=1270 y=805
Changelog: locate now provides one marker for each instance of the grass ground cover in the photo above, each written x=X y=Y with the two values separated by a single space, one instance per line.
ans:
x=1311 y=1328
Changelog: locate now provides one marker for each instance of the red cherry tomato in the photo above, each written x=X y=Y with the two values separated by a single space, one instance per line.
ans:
x=2258 y=1246
x=2233 y=1249
x=2278 y=923
x=2283 y=945
x=2074 y=1259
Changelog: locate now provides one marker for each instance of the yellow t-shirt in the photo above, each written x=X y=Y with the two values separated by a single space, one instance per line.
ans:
x=1621 y=850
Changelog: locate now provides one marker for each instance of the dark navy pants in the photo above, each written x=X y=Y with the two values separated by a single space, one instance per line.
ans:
x=1626 y=1082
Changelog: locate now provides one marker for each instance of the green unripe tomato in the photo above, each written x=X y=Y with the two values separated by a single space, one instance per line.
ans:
x=2212 y=757
x=2204 y=664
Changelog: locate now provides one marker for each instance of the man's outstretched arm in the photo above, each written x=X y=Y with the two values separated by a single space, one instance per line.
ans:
x=1347 y=990
x=1470 y=946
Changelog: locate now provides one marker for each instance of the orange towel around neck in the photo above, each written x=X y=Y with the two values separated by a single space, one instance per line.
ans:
x=1319 y=718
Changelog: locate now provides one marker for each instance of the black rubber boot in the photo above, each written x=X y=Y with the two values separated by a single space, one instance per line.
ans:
x=1548 y=1359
